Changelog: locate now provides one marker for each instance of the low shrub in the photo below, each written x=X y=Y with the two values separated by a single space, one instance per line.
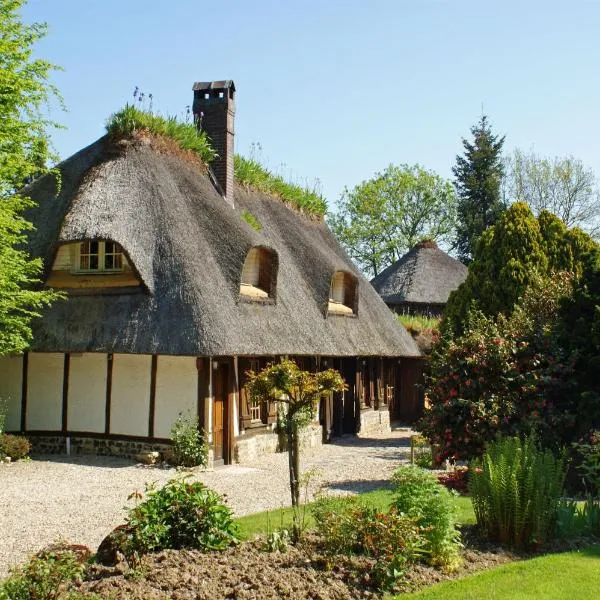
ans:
x=456 y=480
x=179 y=515
x=349 y=526
x=588 y=467
x=516 y=489
x=45 y=577
x=418 y=494
x=420 y=452
x=190 y=447
x=15 y=446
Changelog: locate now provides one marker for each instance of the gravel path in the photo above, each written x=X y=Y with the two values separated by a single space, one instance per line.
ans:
x=81 y=498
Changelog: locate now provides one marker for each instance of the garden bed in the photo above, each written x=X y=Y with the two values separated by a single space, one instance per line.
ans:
x=247 y=571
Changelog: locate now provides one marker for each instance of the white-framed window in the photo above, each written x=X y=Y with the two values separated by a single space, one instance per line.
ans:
x=99 y=256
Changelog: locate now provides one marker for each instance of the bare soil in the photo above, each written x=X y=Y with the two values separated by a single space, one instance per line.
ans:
x=301 y=572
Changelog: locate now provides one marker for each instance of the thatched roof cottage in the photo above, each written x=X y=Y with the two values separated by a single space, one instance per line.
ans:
x=173 y=296
x=421 y=281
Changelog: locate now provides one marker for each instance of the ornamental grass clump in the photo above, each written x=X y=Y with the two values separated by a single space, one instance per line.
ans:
x=418 y=494
x=516 y=489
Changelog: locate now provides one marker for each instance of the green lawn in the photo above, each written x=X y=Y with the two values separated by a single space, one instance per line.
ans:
x=258 y=523
x=567 y=576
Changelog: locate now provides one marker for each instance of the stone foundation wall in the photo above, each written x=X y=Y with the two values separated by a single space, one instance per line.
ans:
x=251 y=445
x=96 y=446
x=374 y=422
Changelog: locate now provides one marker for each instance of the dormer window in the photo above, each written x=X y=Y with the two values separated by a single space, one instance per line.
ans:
x=259 y=274
x=343 y=297
x=100 y=256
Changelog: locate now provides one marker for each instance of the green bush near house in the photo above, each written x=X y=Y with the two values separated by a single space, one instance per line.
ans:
x=516 y=489
x=15 y=446
x=190 y=446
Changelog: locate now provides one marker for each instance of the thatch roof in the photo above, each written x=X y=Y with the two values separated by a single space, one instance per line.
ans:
x=424 y=275
x=188 y=246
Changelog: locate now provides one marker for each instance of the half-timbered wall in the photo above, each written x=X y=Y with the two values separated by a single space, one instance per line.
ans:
x=130 y=394
x=86 y=392
x=11 y=382
x=176 y=391
x=45 y=377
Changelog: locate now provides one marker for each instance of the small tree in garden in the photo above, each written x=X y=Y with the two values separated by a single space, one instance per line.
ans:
x=299 y=391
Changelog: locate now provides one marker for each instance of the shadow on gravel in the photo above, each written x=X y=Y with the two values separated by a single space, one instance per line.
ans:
x=359 y=486
x=108 y=462
x=365 y=442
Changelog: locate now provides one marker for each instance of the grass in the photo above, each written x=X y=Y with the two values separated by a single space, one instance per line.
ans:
x=250 y=172
x=417 y=323
x=130 y=120
x=566 y=576
x=260 y=523
x=251 y=220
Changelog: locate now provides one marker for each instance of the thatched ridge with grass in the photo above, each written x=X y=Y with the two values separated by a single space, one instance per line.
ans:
x=188 y=246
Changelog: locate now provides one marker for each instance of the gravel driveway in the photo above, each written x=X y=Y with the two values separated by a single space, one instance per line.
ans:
x=81 y=498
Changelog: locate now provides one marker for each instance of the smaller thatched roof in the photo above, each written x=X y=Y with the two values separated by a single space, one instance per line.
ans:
x=424 y=275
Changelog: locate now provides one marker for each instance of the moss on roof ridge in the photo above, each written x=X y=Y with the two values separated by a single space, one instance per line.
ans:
x=131 y=121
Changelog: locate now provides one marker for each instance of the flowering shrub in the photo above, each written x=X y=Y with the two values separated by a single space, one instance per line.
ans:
x=456 y=480
x=506 y=375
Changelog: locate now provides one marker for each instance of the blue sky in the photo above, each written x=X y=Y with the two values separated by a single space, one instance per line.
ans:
x=336 y=90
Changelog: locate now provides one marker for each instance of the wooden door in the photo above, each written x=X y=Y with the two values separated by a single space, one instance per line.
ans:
x=219 y=413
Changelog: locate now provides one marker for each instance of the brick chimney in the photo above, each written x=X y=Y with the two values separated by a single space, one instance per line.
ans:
x=214 y=110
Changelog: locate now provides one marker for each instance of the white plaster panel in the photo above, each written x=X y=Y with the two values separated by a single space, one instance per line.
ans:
x=11 y=377
x=130 y=394
x=63 y=261
x=44 y=391
x=86 y=407
x=176 y=391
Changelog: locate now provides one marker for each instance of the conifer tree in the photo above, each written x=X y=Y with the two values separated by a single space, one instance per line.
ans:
x=478 y=175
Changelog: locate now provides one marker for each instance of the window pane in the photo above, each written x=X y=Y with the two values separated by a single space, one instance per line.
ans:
x=93 y=264
x=109 y=261
x=94 y=247
x=118 y=261
x=84 y=263
x=84 y=248
x=110 y=247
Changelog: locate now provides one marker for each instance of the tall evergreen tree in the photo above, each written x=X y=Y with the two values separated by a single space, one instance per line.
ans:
x=478 y=175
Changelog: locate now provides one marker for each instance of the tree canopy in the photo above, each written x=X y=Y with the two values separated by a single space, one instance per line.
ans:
x=478 y=174
x=507 y=258
x=563 y=186
x=25 y=94
x=380 y=219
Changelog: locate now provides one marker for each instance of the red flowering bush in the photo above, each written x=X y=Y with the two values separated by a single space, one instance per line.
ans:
x=456 y=480
x=506 y=375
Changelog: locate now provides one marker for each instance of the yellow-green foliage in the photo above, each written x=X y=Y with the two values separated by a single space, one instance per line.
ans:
x=515 y=490
x=508 y=257
x=130 y=120
x=251 y=220
x=251 y=173
x=417 y=324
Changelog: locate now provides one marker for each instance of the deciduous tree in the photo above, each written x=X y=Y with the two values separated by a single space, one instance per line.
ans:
x=563 y=186
x=298 y=392
x=25 y=94
x=382 y=218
